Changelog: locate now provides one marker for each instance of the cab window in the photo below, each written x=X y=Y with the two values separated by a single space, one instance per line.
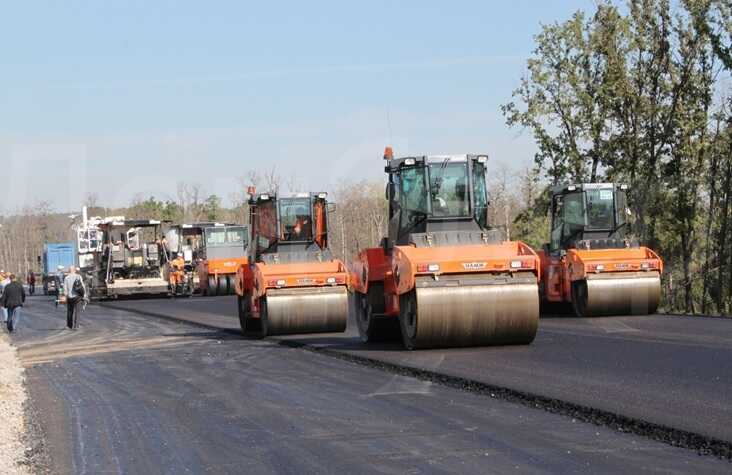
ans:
x=480 y=193
x=296 y=221
x=413 y=197
x=600 y=209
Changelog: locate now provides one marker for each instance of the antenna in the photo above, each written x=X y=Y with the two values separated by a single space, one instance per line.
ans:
x=388 y=125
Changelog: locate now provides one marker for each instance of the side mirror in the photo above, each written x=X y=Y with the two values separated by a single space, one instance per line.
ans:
x=390 y=191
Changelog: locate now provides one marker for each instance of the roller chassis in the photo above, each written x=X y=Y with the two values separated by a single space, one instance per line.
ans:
x=591 y=266
x=462 y=304
x=442 y=277
x=291 y=285
x=628 y=284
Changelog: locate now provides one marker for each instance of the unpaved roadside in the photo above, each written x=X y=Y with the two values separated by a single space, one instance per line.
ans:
x=13 y=398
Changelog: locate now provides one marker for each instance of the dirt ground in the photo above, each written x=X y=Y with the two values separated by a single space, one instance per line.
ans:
x=13 y=398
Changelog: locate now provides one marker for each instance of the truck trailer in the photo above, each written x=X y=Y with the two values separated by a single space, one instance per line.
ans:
x=55 y=262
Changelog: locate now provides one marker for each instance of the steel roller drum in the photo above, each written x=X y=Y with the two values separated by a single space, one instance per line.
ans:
x=474 y=315
x=631 y=293
x=306 y=310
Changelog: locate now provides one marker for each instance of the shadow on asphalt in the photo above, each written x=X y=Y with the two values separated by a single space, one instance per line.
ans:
x=346 y=344
x=208 y=335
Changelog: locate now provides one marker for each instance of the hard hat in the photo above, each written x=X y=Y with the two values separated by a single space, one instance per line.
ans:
x=180 y=254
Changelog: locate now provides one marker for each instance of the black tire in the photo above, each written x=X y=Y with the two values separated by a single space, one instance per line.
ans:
x=230 y=285
x=372 y=325
x=212 y=286
x=408 y=318
x=222 y=286
x=250 y=327
x=579 y=298
x=264 y=324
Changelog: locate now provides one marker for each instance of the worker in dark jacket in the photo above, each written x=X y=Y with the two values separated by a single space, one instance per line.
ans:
x=13 y=300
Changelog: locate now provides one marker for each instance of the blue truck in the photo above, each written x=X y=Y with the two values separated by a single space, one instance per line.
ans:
x=56 y=260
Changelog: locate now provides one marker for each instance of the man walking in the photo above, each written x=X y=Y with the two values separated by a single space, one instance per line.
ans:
x=31 y=282
x=75 y=296
x=3 y=282
x=13 y=300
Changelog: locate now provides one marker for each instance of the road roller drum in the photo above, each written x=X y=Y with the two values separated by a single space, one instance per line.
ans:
x=628 y=293
x=304 y=310
x=493 y=313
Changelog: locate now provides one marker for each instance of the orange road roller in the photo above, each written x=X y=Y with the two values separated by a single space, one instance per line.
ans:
x=292 y=283
x=442 y=277
x=591 y=262
x=224 y=250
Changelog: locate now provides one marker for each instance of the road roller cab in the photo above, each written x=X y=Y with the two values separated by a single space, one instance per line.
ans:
x=442 y=277
x=292 y=283
x=591 y=261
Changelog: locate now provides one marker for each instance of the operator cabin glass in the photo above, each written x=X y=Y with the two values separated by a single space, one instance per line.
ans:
x=481 y=195
x=224 y=236
x=295 y=220
x=449 y=190
x=568 y=219
x=413 y=197
x=600 y=209
x=449 y=195
x=236 y=235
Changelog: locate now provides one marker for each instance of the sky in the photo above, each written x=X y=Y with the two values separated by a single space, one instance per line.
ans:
x=127 y=99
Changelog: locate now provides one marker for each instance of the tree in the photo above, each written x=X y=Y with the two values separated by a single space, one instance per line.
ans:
x=629 y=97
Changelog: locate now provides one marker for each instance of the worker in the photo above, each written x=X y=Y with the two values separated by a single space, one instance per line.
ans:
x=13 y=300
x=31 y=283
x=176 y=275
x=302 y=229
x=3 y=282
x=75 y=291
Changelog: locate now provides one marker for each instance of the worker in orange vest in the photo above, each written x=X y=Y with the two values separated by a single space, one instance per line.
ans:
x=177 y=271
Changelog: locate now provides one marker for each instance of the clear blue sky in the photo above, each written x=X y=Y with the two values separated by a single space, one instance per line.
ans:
x=127 y=98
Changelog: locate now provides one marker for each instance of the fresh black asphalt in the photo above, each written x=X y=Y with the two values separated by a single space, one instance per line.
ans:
x=129 y=393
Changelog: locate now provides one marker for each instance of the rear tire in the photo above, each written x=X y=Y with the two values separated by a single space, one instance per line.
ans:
x=408 y=318
x=264 y=324
x=229 y=285
x=212 y=286
x=373 y=326
x=250 y=327
x=579 y=298
x=222 y=287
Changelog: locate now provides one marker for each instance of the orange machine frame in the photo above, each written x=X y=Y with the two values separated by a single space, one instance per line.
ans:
x=560 y=271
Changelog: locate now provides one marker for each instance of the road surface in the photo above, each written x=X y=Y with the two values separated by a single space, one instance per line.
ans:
x=672 y=371
x=128 y=393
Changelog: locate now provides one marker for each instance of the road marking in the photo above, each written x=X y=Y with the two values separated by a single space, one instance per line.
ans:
x=402 y=385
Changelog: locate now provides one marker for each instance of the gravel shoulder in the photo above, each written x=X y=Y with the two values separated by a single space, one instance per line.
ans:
x=13 y=397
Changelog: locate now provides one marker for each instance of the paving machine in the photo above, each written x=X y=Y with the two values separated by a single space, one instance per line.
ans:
x=441 y=277
x=224 y=249
x=591 y=262
x=122 y=257
x=292 y=283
